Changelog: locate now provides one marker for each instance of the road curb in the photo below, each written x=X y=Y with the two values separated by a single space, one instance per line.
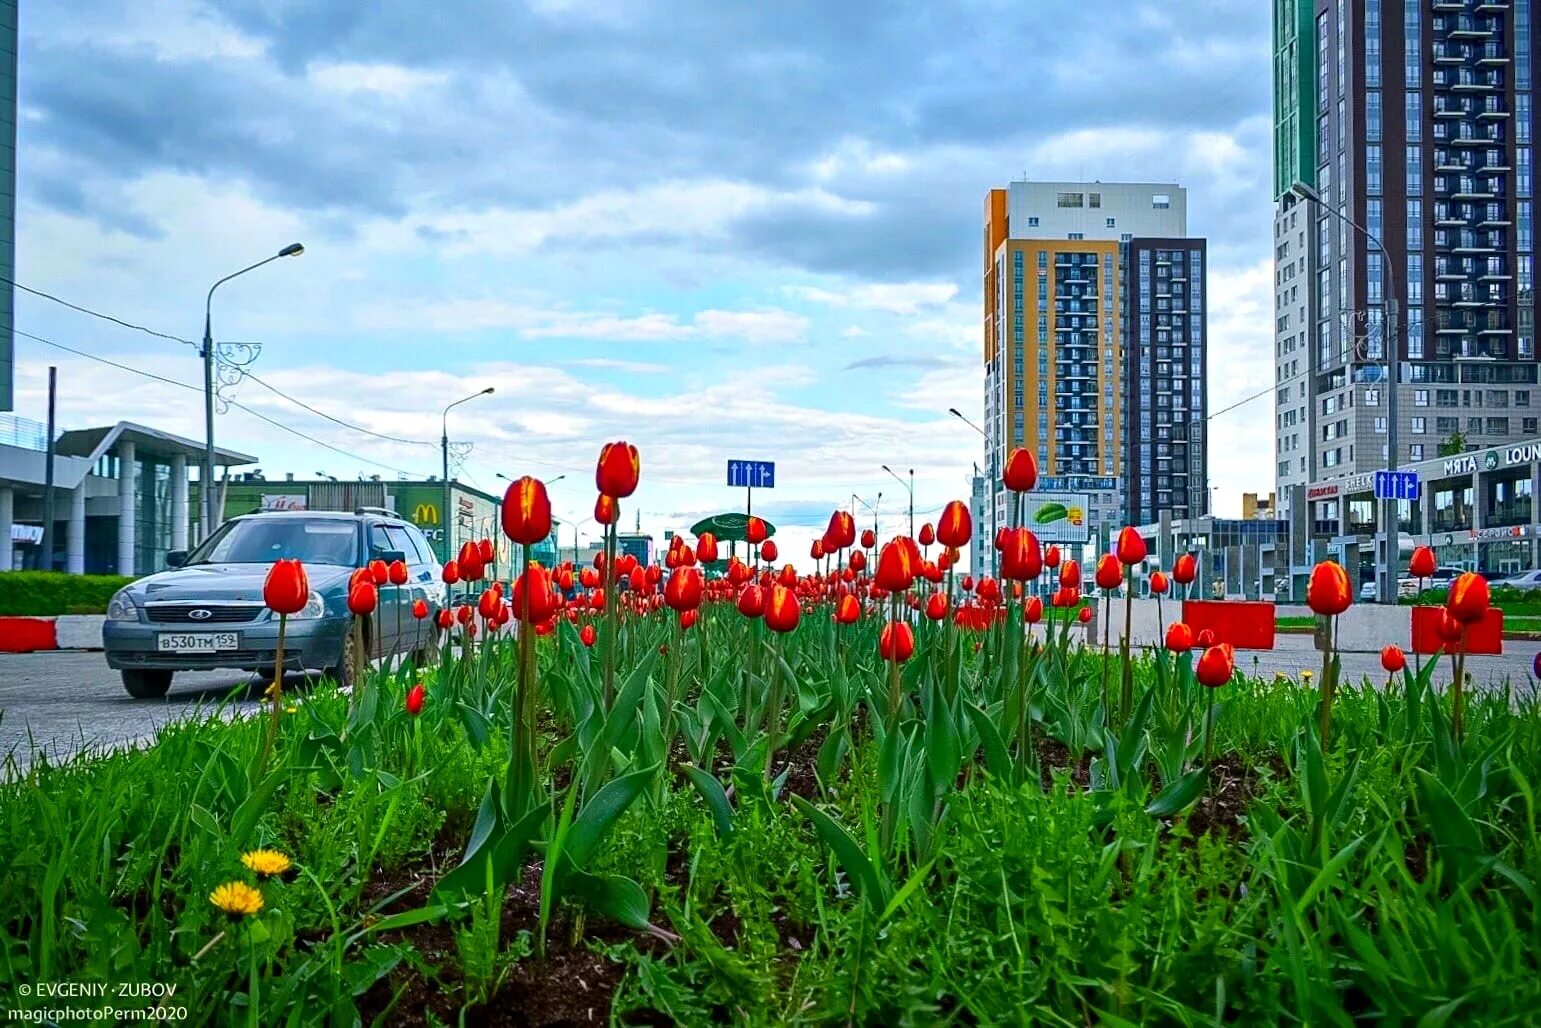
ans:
x=66 y=632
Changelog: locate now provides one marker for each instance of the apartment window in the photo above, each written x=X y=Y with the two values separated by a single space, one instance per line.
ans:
x=1372 y=128
x=1420 y=397
x=1412 y=15
x=1420 y=426
x=1071 y=199
x=1077 y=235
x=1032 y=221
x=1414 y=116
x=1096 y=200
x=1161 y=201
x=1372 y=169
x=1415 y=451
x=1415 y=170
x=1111 y=221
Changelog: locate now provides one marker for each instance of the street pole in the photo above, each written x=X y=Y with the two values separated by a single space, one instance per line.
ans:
x=206 y=487
x=449 y=523
x=48 y=479
x=1391 y=530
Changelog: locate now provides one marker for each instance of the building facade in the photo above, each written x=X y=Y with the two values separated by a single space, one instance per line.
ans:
x=1059 y=261
x=1415 y=121
x=1166 y=350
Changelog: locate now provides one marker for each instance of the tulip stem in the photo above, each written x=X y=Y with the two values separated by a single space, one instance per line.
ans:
x=1457 y=687
x=1107 y=657
x=1126 y=692
x=1324 y=724
x=612 y=623
x=893 y=666
x=276 y=697
x=1209 y=733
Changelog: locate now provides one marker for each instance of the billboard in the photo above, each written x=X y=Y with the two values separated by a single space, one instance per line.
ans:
x=1058 y=517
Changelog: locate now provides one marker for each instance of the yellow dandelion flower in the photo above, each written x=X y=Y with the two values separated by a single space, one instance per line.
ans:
x=266 y=863
x=237 y=900
x=1305 y=676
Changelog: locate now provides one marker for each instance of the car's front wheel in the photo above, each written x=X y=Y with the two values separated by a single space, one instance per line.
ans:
x=351 y=661
x=146 y=683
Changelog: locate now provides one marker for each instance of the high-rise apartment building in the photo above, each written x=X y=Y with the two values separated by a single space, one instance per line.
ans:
x=1414 y=120
x=1077 y=276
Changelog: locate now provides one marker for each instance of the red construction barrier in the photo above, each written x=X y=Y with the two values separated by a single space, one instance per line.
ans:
x=1486 y=636
x=23 y=635
x=1245 y=624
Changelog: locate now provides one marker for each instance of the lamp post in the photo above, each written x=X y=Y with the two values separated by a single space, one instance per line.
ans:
x=1386 y=590
x=207 y=488
x=910 y=487
x=995 y=556
x=449 y=523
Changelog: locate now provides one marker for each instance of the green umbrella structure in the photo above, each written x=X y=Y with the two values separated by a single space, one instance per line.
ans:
x=728 y=527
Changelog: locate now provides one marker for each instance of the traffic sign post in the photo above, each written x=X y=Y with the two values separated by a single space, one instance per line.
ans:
x=750 y=474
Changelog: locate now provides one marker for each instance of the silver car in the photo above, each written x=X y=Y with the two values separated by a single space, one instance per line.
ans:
x=206 y=611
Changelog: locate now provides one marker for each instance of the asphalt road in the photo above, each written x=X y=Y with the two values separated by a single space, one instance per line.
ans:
x=63 y=702
x=59 y=703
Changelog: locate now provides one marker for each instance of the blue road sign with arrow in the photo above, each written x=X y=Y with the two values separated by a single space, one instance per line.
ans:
x=1396 y=485
x=753 y=474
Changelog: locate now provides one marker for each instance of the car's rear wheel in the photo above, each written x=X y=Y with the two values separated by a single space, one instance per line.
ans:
x=146 y=683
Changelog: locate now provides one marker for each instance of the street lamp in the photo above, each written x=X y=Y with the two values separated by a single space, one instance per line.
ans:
x=990 y=452
x=207 y=488
x=910 y=486
x=1386 y=591
x=449 y=524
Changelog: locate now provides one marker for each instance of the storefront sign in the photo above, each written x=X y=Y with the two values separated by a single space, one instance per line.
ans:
x=27 y=534
x=283 y=501
x=1502 y=532
x=1321 y=492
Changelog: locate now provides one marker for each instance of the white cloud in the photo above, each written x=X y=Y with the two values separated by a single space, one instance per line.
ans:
x=892 y=297
x=390 y=80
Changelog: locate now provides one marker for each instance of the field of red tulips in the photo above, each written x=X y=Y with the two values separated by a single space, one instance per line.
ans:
x=724 y=791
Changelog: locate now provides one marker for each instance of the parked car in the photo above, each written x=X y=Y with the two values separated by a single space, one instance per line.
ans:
x=1368 y=592
x=1440 y=579
x=1523 y=580
x=206 y=610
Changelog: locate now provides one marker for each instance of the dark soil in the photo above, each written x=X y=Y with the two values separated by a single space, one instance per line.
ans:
x=573 y=985
x=1234 y=782
x=1054 y=756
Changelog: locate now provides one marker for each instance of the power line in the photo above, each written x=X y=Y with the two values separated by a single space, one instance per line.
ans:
x=334 y=420
x=1239 y=403
x=199 y=389
x=98 y=314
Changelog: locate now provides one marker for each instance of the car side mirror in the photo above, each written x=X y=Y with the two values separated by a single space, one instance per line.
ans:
x=390 y=556
x=176 y=558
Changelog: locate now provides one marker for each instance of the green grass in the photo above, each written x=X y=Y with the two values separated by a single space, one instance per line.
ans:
x=1391 y=879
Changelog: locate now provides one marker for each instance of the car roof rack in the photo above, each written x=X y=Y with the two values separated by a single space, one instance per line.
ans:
x=379 y=511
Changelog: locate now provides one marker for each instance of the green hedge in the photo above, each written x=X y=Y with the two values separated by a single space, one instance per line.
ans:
x=48 y=593
x=1506 y=598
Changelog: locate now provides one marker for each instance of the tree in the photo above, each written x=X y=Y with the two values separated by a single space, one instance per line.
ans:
x=1454 y=445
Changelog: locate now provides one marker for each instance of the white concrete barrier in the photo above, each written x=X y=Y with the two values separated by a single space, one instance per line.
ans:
x=1369 y=627
x=79 y=631
x=1145 y=619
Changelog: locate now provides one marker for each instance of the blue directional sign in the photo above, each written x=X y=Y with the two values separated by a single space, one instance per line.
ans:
x=755 y=474
x=1396 y=485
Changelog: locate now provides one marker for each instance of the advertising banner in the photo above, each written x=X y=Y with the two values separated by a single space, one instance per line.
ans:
x=1057 y=517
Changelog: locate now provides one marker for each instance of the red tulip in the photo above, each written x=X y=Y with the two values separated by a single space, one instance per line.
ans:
x=1206 y=638
x=420 y=608
x=848 y=610
x=1131 y=548
x=1179 y=637
x=526 y=512
x=896 y=568
x=446 y=619
x=485 y=551
x=415 y=697
x=1110 y=573
x=619 y=469
x=841 y=532
x=1158 y=583
x=688 y=618
x=968 y=583
x=756 y=531
x=1393 y=659
x=751 y=601
x=816 y=551
x=1216 y=666
x=936 y=607
x=379 y=571
x=1185 y=569
x=451 y=572
x=607 y=510
x=1084 y=615
x=706 y=548
x=533 y=588
x=471 y=562
x=782 y=610
x=1021 y=472
x=286 y=589
x=858 y=562
x=768 y=551
x=1469 y=598
x=1051 y=557
x=1021 y=558
x=956 y=526
x=896 y=642
x=869 y=539
x=487 y=604
x=363 y=598
x=684 y=589
x=1328 y=591
x=1070 y=575
x=1422 y=563
x=397 y=572
x=1032 y=611
x=1449 y=628
x=587 y=636
x=927 y=534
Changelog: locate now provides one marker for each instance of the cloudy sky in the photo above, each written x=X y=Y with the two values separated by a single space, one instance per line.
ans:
x=715 y=229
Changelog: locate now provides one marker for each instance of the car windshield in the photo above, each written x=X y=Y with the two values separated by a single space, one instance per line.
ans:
x=262 y=540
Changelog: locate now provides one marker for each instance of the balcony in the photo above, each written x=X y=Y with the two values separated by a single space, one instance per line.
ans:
x=1445 y=53
x=1452 y=110
x=1464 y=27
x=1492 y=54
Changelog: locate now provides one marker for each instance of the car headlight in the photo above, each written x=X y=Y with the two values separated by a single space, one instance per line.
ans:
x=121 y=608
x=314 y=607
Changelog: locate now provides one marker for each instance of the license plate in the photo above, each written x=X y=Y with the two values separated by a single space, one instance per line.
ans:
x=197 y=642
